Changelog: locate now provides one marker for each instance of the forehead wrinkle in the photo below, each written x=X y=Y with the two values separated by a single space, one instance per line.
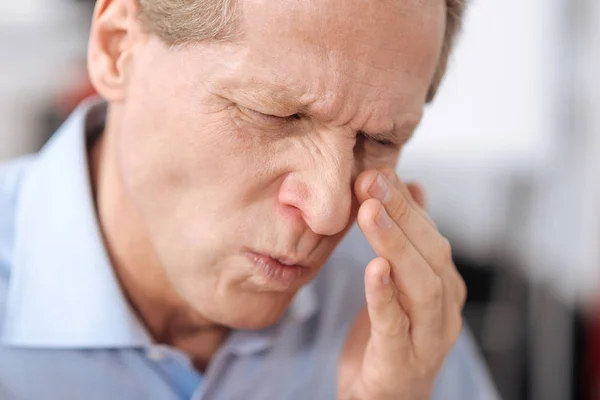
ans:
x=297 y=86
x=351 y=82
x=348 y=94
x=329 y=93
x=374 y=112
x=282 y=96
x=329 y=106
x=338 y=83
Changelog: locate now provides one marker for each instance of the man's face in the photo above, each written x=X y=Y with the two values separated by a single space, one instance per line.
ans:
x=240 y=157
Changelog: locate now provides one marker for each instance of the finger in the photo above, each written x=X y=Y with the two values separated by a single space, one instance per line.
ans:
x=456 y=288
x=388 y=319
x=413 y=191
x=434 y=248
x=453 y=307
x=365 y=181
x=419 y=289
x=405 y=189
x=416 y=192
x=452 y=312
x=453 y=288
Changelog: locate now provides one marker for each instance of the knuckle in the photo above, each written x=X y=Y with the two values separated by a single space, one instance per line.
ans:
x=400 y=209
x=458 y=287
x=400 y=243
x=394 y=328
x=445 y=250
x=437 y=288
x=432 y=292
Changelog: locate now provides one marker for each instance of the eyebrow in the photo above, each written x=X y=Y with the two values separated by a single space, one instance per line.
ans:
x=270 y=97
x=274 y=98
x=397 y=137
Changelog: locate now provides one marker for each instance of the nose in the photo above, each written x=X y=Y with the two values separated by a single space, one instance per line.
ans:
x=322 y=194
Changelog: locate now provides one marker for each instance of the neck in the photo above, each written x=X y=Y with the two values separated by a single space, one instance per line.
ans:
x=168 y=318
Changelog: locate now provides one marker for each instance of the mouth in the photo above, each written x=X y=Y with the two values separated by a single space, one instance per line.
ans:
x=280 y=270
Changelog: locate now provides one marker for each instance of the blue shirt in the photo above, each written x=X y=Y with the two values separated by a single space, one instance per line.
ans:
x=68 y=332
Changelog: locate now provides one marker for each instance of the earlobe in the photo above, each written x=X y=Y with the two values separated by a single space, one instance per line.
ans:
x=111 y=42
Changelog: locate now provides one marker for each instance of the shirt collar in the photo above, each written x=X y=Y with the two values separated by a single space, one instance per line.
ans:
x=63 y=292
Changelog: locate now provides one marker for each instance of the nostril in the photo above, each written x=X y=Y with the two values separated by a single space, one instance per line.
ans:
x=292 y=214
x=324 y=205
x=293 y=192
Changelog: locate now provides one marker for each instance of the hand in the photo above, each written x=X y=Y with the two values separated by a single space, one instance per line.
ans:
x=414 y=293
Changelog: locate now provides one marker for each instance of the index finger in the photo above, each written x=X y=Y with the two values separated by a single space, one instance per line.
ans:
x=411 y=219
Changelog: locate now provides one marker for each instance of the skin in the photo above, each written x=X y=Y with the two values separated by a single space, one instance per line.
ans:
x=270 y=143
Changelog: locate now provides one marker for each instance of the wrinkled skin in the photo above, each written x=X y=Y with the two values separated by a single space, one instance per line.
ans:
x=215 y=148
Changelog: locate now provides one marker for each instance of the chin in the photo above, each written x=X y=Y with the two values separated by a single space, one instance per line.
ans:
x=249 y=315
x=255 y=323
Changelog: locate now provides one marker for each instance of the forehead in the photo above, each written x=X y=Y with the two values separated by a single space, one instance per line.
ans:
x=345 y=59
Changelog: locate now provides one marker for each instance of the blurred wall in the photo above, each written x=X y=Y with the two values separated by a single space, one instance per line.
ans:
x=42 y=46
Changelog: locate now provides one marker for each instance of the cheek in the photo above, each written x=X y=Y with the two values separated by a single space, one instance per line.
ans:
x=197 y=180
x=173 y=132
x=183 y=156
x=186 y=175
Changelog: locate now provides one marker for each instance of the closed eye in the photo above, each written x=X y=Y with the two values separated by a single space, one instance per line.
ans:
x=270 y=117
x=382 y=140
x=375 y=139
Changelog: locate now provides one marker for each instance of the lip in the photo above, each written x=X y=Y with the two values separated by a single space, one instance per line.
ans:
x=279 y=270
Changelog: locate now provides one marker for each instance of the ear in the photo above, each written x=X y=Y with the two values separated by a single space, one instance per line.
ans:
x=115 y=32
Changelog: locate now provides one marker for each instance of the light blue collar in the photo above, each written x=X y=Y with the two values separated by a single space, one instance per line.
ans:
x=62 y=290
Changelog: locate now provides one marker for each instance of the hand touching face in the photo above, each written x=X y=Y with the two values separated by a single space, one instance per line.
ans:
x=414 y=297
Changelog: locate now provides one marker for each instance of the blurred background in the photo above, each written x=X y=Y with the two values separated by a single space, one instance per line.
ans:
x=508 y=154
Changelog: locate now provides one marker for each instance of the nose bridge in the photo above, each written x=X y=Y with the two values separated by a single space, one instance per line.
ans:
x=325 y=181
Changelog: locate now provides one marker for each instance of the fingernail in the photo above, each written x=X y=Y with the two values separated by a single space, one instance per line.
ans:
x=380 y=189
x=386 y=278
x=383 y=219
